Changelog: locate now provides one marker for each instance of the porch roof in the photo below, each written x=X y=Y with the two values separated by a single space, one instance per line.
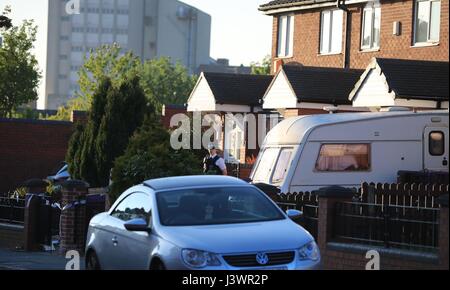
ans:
x=238 y=89
x=404 y=79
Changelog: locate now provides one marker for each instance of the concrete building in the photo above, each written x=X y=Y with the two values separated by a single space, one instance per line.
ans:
x=149 y=28
x=222 y=65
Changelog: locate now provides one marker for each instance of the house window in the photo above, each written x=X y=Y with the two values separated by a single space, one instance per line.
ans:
x=427 y=21
x=331 y=31
x=343 y=158
x=437 y=143
x=370 y=37
x=235 y=141
x=285 y=35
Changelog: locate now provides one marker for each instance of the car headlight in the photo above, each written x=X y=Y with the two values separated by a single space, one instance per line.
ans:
x=199 y=259
x=309 y=251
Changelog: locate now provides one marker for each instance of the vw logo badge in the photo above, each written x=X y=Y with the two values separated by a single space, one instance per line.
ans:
x=262 y=258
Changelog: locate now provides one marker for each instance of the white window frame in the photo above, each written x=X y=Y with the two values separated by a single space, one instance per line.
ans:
x=373 y=8
x=330 y=33
x=234 y=142
x=285 y=44
x=416 y=13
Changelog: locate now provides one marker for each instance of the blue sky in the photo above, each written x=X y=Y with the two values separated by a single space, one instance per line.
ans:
x=239 y=31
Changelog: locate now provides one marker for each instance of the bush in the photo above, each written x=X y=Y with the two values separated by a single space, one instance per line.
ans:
x=115 y=114
x=148 y=156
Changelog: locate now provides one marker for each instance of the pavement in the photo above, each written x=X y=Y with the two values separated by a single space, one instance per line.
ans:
x=20 y=260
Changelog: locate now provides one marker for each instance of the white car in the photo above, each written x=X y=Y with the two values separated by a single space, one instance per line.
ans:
x=198 y=222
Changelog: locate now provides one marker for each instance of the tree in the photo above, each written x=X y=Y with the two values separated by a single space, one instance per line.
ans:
x=19 y=72
x=261 y=68
x=149 y=155
x=166 y=83
x=117 y=111
x=162 y=81
x=107 y=61
x=5 y=21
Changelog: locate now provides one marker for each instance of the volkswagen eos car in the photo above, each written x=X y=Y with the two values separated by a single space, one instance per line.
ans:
x=198 y=223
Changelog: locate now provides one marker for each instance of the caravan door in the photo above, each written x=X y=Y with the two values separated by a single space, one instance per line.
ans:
x=436 y=147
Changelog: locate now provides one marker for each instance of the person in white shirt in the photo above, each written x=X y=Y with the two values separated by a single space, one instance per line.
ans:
x=214 y=164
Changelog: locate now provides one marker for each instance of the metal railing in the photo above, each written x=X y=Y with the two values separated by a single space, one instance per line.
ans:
x=389 y=226
x=12 y=210
x=306 y=202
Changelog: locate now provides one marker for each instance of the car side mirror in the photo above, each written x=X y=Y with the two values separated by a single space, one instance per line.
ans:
x=294 y=214
x=137 y=225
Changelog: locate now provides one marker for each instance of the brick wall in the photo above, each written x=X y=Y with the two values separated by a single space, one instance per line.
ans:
x=303 y=112
x=30 y=149
x=307 y=34
x=169 y=111
x=340 y=257
x=345 y=256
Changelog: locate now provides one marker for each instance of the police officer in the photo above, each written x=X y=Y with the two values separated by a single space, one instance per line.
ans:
x=214 y=164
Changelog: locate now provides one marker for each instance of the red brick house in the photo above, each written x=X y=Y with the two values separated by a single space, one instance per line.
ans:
x=352 y=34
x=320 y=49
x=348 y=34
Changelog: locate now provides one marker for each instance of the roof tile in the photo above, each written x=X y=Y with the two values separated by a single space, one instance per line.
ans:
x=322 y=85
x=238 y=89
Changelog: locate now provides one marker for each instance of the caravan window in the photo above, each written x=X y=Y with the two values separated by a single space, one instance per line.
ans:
x=282 y=165
x=437 y=143
x=264 y=169
x=344 y=157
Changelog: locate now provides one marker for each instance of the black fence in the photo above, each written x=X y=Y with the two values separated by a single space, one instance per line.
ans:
x=389 y=226
x=306 y=202
x=12 y=210
x=48 y=215
x=422 y=195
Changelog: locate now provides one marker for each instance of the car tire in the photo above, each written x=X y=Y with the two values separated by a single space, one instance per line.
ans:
x=157 y=265
x=92 y=262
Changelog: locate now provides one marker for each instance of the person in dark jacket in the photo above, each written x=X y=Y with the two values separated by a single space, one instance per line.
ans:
x=213 y=164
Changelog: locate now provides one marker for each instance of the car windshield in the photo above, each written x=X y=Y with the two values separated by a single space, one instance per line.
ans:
x=215 y=206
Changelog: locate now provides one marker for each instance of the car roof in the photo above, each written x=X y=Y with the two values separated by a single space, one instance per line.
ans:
x=168 y=183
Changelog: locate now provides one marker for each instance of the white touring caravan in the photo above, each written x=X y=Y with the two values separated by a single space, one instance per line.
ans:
x=310 y=152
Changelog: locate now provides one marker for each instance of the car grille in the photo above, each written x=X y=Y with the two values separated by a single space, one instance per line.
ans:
x=250 y=260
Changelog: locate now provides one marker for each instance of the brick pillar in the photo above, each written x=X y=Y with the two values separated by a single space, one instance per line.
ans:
x=73 y=219
x=328 y=197
x=443 y=232
x=34 y=188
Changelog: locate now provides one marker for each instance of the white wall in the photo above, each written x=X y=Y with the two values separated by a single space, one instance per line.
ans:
x=202 y=98
x=374 y=91
x=280 y=94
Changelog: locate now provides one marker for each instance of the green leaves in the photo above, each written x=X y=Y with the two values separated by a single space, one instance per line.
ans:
x=149 y=155
x=162 y=82
x=165 y=83
x=262 y=68
x=117 y=111
x=19 y=71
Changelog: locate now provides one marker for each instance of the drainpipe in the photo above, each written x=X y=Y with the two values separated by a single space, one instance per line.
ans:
x=341 y=5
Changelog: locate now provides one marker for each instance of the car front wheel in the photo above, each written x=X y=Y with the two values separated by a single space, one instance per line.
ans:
x=157 y=265
x=92 y=263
